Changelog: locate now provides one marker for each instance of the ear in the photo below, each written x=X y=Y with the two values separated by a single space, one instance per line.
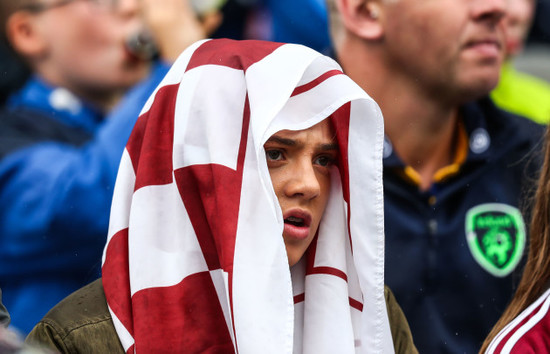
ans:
x=362 y=17
x=23 y=32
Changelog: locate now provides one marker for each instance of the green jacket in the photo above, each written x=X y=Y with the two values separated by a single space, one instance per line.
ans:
x=81 y=323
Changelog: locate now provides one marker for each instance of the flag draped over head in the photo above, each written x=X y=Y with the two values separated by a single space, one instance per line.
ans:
x=195 y=259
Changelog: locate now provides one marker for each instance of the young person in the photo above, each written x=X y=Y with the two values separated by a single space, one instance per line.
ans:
x=455 y=166
x=242 y=143
x=523 y=327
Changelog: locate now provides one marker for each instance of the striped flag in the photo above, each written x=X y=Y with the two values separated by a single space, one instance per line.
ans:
x=195 y=260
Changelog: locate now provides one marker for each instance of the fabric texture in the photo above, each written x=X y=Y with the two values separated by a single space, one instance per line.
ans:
x=58 y=163
x=450 y=299
x=527 y=333
x=82 y=323
x=195 y=260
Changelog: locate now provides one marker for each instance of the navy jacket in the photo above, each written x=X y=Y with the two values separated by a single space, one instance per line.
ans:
x=59 y=159
x=454 y=253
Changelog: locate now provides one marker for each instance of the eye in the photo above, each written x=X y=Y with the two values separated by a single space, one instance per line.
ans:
x=324 y=160
x=274 y=155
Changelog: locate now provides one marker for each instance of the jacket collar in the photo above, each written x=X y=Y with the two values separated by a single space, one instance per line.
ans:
x=57 y=102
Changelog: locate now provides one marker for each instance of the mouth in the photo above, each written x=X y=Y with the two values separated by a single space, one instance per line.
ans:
x=485 y=47
x=297 y=224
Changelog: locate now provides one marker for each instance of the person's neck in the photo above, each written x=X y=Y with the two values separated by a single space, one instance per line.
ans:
x=422 y=134
x=422 y=129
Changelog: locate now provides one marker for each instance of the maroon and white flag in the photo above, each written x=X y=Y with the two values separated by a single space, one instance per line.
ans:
x=195 y=259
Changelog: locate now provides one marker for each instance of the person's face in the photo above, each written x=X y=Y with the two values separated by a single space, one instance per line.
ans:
x=451 y=48
x=299 y=163
x=518 y=20
x=86 y=45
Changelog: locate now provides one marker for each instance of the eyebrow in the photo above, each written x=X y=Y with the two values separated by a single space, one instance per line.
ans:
x=291 y=142
x=283 y=141
x=329 y=147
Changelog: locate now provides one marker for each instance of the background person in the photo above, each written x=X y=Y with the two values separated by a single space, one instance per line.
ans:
x=454 y=164
x=61 y=141
x=516 y=91
x=195 y=260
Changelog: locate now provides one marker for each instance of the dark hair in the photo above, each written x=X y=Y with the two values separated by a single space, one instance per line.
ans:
x=536 y=274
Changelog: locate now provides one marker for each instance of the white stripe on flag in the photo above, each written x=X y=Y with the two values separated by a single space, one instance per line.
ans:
x=175 y=73
x=197 y=140
x=313 y=104
x=220 y=281
x=266 y=100
x=122 y=198
x=125 y=337
x=160 y=229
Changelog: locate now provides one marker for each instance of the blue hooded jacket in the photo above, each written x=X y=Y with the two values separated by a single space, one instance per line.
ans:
x=58 y=163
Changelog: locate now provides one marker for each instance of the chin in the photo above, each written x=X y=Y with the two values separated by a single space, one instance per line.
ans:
x=292 y=261
x=479 y=87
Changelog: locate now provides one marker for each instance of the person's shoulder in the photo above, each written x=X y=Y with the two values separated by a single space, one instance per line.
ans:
x=86 y=305
x=21 y=128
x=79 y=323
x=401 y=333
x=505 y=123
x=526 y=336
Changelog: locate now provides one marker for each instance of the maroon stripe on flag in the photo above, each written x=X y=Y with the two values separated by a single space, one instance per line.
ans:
x=150 y=144
x=340 y=120
x=311 y=251
x=211 y=194
x=303 y=88
x=506 y=338
x=223 y=52
x=299 y=298
x=355 y=304
x=191 y=316
x=131 y=349
x=211 y=200
x=116 y=279
x=328 y=271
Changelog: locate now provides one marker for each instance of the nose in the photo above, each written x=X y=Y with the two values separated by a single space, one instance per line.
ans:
x=491 y=11
x=303 y=181
x=127 y=8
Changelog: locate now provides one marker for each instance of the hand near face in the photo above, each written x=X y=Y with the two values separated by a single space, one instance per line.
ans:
x=175 y=26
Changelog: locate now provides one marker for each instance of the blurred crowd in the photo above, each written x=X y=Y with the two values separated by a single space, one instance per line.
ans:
x=75 y=74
